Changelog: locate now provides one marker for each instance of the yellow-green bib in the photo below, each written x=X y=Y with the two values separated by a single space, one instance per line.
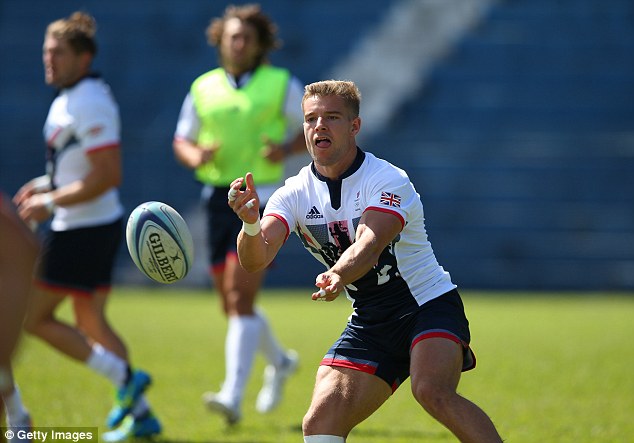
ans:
x=240 y=120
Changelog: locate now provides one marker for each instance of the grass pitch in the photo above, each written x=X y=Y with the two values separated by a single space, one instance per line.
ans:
x=552 y=367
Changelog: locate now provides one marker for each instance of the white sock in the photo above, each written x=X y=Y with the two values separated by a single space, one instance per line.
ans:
x=269 y=346
x=14 y=406
x=108 y=364
x=241 y=345
x=323 y=439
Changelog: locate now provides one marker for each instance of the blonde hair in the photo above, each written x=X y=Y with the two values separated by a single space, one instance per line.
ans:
x=345 y=89
x=78 y=30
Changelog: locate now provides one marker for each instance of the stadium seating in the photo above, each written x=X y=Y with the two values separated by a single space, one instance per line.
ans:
x=520 y=141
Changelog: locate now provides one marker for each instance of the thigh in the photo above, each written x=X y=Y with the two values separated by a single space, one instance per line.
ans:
x=90 y=310
x=343 y=398
x=42 y=305
x=436 y=362
x=240 y=287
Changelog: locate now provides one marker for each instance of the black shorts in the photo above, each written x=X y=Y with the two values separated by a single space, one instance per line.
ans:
x=223 y=227
x=79 y=261
x=384 y=349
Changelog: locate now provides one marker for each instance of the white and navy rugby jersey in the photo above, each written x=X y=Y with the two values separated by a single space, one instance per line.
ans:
x=325 y=214
x=82 y=119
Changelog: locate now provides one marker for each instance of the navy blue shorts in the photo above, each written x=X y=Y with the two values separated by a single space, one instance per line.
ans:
x=384 y=349
x=223 y=227
x=79 y=261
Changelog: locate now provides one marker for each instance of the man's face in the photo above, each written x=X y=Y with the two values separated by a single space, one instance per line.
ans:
x=62 y=66
x=330 y=130
x=239 y=46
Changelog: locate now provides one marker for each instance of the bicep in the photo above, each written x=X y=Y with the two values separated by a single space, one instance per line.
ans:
x=275 y=234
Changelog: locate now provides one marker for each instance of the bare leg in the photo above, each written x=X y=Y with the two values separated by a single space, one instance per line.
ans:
x=435 y=371
x=91 y=320
x=41 y=322
x=342 y=399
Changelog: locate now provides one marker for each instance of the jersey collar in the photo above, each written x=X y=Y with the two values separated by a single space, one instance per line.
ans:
x=354 y=167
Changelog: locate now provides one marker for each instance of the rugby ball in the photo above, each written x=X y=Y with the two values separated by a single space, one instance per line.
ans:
x=159 y=242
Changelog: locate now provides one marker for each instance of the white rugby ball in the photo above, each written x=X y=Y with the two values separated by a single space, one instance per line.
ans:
x=160 y=242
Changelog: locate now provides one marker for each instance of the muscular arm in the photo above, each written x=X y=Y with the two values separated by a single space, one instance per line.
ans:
x=256 y=252
x=376 y=230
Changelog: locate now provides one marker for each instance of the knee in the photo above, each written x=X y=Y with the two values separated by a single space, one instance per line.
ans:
x=432 y=397
x=238 y=303
x=33 y=325
x=308 y=423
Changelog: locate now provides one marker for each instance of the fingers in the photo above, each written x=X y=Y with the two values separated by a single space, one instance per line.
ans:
x=250 y=182
x=325 y=295
x=232 y=194
x=234 y=188
x=329 y=285
x=244 y=203
x=320 y=295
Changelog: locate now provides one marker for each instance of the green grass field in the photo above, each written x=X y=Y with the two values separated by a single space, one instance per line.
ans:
x=551 y=368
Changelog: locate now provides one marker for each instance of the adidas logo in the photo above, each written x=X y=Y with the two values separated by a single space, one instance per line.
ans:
x=313 y=213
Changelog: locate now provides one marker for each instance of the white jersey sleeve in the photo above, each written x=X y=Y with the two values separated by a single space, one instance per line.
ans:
x=293 y=107
x=188 y=124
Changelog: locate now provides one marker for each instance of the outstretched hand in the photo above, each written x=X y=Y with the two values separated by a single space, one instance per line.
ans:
x=330 y=286
x=246 y=204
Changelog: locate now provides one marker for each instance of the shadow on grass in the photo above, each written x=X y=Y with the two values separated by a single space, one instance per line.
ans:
x=409 y=434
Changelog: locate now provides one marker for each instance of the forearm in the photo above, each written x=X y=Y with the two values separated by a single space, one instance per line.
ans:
x=356 y=261
x=252 y=252
x=88 y=188
x=190 y=154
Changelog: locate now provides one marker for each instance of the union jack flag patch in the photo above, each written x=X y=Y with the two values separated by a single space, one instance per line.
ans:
x=389 y=199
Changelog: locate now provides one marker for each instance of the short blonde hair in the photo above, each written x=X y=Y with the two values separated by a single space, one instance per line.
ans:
x=78 y=30
x=345 y=89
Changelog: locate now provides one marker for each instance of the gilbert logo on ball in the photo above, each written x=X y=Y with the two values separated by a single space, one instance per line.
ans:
x=160 y=242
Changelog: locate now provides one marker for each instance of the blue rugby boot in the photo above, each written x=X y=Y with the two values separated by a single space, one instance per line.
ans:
x=146 y=426
x=127 y=396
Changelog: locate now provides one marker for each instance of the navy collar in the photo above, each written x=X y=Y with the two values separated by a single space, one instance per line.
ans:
x=354 y=167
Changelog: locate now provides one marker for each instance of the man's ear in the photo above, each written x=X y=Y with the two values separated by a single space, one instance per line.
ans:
x=356 y=126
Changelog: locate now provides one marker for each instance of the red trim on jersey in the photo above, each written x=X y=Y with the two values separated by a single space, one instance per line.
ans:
x=102 y=147
x=183 y=139
x=369 y=369
x=283 y=220
x=49 y=142
x=387 y=211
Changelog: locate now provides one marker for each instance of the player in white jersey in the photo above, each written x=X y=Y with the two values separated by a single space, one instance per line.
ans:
x=80 y=191
x=363 y=219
